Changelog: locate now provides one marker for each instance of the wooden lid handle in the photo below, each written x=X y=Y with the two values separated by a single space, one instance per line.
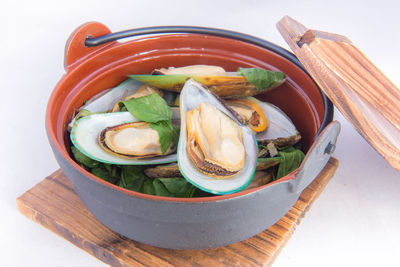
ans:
x=357 y=88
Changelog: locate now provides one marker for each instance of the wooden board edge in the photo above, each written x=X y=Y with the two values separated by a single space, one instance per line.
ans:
x=92 y=249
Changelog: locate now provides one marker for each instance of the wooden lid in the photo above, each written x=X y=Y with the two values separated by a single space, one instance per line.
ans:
x=368 y=100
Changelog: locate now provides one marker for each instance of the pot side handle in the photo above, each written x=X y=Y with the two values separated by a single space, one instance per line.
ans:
x=317 y=157
x=75 y=47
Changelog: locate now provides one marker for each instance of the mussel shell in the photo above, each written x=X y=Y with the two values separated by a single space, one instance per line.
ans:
x=163 y=171
x=172 y=170
x=105 y=100
x=230 y=86
x=280 y=129
x=199 y=70
x=192 y=95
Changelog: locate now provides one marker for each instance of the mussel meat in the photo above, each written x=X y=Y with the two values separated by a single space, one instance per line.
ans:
x=250 y=112
x=132 y=140
x=215 y=142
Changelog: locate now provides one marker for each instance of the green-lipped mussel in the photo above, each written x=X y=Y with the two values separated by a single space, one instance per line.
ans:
x=245 y=82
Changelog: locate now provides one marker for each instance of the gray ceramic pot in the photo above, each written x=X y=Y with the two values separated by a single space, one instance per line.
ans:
x=186 y=223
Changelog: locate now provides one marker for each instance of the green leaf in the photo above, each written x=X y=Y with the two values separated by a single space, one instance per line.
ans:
x=179 y=187
x=151 y=108
x=261 y=78
x=82 y=159
x=132 y=177
x=290 y=159
x=101 y=172
x=169 y=187
x=167 y=133
x=110 y=176
x=148 y=187
x=160 y=190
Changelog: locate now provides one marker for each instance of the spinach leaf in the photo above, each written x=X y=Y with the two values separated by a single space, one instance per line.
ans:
x=169 y=187
x=83 y=159
x=167 y=133
x=290 y=159
x=262 y=78
x=148 y=187
x=111 y=175
x=151 y=108
x=132 y=177
x=179 y=187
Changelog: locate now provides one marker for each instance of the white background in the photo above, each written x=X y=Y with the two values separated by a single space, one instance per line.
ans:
x=356 y=220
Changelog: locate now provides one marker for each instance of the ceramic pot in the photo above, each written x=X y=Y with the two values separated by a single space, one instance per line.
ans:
x=196 y=223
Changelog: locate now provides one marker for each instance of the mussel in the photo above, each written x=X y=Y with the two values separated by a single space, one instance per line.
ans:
x=280 y=131
x=93 y=133
x=250 y=112
x=245 y=82
x=215 y=144
x=172 y=170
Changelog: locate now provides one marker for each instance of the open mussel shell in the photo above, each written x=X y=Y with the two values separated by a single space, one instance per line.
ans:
x=250 y=112
x=85 y=132
x=280 y=129
x=107 y=100
x=192 y=95
x=224 y=84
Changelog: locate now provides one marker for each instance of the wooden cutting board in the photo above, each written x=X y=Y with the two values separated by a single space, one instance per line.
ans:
x=54 y=204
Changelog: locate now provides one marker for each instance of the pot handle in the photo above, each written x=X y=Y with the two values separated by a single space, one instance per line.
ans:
x=92 y=41
x=93 y=36
x=75 y=48
x=317 y=157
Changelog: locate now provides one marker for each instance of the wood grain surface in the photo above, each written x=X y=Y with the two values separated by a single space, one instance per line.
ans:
x=362 y=93
x=54 y=204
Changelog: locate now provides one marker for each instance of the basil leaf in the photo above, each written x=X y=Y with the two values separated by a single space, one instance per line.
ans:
x=290 y=159
x=262 y=78
x=83 y=159
x=167 y=133
x=151 y=108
